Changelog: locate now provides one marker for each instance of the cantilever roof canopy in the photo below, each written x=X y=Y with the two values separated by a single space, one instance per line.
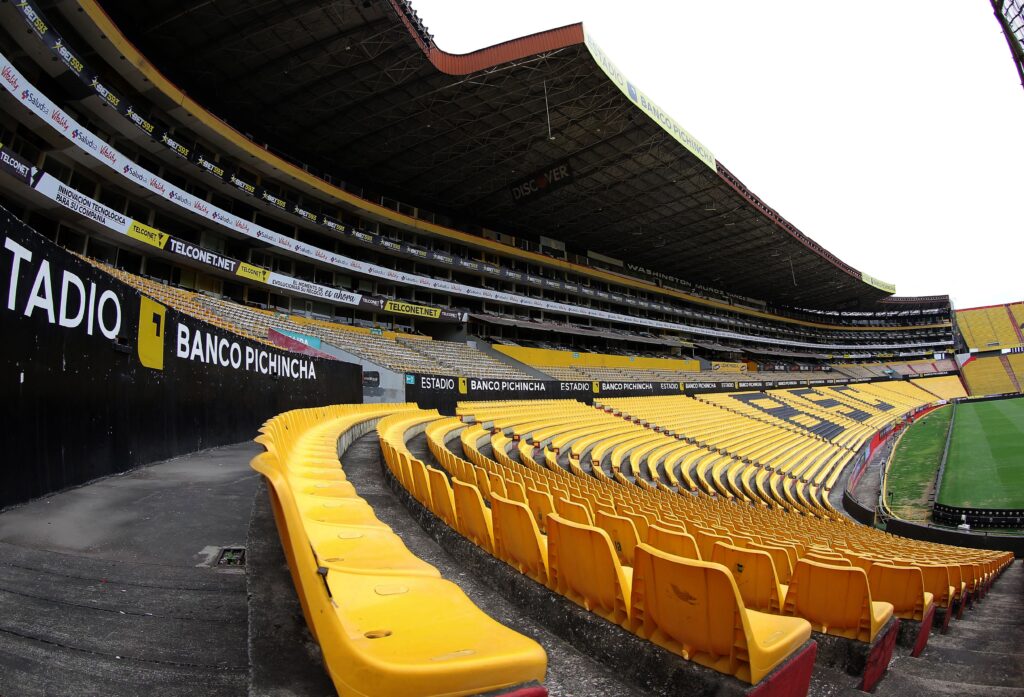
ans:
x=529 y=137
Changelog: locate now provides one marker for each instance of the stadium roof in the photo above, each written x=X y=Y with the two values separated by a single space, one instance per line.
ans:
x=358 y=88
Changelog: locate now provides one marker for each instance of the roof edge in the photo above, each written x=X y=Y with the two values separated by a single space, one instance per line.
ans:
x=491 y=56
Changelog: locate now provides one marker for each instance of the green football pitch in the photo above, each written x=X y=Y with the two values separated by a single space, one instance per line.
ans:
x=912 y=472
x=985 y=467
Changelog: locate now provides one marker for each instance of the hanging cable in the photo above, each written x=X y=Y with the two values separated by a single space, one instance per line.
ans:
x=547 y=110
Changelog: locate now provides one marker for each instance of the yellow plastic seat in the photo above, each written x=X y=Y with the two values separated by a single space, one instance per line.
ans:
x=754 y=573
x=442 y=501
x=421 y=489
x=903 y=586
x=517 y=540
x=515 y=491
x=364 y=550
x=473 y=516
x=387 y=640
x=583 y=566
x=622 y=533
x=833 y=559
x=956 y=579
x=935 y=578
x=783 y=566
x=570 y=510
x=835 y=600
x=694 y=609
x=680 y=544
x=353 y=511
x=540 y=505
x=706 y=541
x=385 y=620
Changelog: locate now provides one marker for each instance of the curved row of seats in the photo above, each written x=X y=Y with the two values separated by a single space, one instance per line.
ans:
x=386 y=622
x=547 y=533
x=733 y=455
x=498 y=489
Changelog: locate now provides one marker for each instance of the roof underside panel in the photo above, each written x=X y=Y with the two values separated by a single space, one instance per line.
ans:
x=345 y=85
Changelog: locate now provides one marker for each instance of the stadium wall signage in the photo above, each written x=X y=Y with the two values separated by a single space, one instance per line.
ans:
x=102 y=378
x=552 y=177
x=443 y=392
x=646 y=104
x=878 y=283
x=32 y=99
x=95 y=211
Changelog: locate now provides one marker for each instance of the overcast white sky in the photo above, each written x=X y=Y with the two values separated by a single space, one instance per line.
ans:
x=892 y=133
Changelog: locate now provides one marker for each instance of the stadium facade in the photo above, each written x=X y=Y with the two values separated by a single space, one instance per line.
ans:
x=216 y=212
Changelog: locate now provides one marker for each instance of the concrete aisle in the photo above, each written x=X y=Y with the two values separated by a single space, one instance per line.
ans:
x=113 y=589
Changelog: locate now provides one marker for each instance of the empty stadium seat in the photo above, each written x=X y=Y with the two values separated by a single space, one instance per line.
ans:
x=754 y=573
x=474 y=518
x=583 y=566
x=680 y=544
x=836 y=600
x=622 y=533
x=694 y=609
x=517 y=539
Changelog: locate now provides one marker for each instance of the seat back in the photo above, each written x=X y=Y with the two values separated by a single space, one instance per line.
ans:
x=622 y=533
x=783 y=567
x=517 y=540
x=706 y=541
x=473 y=517
x=540 y=505
x=936 y=581
x=483 y=483
x=860 y=561
x=956 y=578
x=442 y=503
x=570 y=510
x=680 y=544
x=903 y=586
x=833 y=559
x=421 y=489
x=834 y=599
x=583 y=566
x=640 y=521
x=515 y=491
x=691 y=608
x=496 y=483
x=694 y=603
x=754 y=573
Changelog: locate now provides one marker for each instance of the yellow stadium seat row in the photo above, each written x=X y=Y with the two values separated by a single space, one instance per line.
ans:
x=988 y=328
x=988 y=375
x=705 y=516
x=586 y=551
x=386 y=622
x=945 y=387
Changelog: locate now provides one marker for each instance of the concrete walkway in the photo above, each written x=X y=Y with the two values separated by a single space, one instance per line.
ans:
x=113 y=588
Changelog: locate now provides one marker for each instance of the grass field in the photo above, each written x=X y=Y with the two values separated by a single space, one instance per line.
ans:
x=912 y=472
x=986 y=456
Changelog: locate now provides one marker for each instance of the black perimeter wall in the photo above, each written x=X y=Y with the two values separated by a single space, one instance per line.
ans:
x=78 y=402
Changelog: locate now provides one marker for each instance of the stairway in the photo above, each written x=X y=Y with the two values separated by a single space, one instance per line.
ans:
x=1013 y=321
x=1009 y=371
x=981 y=656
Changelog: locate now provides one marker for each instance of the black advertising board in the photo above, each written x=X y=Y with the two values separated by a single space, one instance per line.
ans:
x=99 y=379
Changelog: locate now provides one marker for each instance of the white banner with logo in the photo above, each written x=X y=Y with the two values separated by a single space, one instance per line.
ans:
x=15 y=83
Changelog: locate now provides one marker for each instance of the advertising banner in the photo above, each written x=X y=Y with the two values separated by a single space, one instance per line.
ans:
x=119 y=379
x=647 y=105
x=89 y=208
x=552 y=177
x=33 y=100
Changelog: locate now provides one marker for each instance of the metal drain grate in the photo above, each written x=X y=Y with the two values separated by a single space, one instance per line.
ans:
x=231 y=556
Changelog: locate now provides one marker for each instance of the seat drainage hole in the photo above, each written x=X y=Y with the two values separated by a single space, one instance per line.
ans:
x=231 y=556
x=378 y=634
